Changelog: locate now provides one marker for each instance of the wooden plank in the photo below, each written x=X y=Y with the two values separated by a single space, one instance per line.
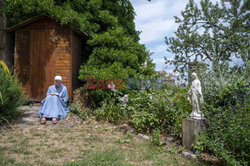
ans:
x=50 y=64
x=42 y=51
x=21 y=59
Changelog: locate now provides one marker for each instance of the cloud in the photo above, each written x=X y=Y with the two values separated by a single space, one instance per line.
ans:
x=155 y=30
x=156 y=20
x=160 y=64
x=159 y=60
x=147 y=11
x=159 y=48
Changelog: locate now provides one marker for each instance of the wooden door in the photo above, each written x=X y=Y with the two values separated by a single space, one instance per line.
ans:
x=39 y=63
x=42 y=70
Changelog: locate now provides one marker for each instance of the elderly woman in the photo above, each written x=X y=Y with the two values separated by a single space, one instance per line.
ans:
x=54 y=105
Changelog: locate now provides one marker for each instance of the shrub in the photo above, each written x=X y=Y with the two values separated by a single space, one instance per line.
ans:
x=84 y=113
x=109 y=111
x=11 y=96
x=148 y=110
x=226 y=111
x=155 y=138
x=145 y=122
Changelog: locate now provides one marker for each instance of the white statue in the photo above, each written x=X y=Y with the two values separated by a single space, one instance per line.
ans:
x=195 y=98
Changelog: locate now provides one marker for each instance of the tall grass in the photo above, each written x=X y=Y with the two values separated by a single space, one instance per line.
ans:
x=11 y=95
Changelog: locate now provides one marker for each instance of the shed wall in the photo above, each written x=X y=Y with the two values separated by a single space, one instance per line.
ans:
x=43 y=50
x=63 y=57
x=76 y=60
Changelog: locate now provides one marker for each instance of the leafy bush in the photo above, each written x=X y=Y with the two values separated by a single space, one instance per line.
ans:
x=148 y=110
x=227 y=116
x=11 y=96
x=145 y=122
x=84 y=113
x=161 y=109
x=155 y=138
x=112 y=109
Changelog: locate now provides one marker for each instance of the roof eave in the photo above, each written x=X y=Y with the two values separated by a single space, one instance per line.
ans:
x=33 y=19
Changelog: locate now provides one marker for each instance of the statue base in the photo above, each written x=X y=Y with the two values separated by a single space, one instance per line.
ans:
x=197 y=117
x=191 y=127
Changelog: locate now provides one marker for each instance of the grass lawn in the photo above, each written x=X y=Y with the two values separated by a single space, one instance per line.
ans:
x=95 y=143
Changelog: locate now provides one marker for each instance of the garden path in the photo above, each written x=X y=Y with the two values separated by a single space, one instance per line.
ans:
x=29 y=119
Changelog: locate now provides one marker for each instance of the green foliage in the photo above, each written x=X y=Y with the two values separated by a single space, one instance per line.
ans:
x=83 y=113
x=112 y=50
x=148 y=110
x=112 y=109
x=214 y=80
x=145 y=122
x=171 y=150
x=155 y=138
x=227 y=116
x=217 y=34
x=126 y=139
x=198 y=147
x=109 y=112
x=212 y=33
x=11 y=96
x=180 y=149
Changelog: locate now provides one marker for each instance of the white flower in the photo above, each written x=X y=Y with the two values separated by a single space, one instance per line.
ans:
x=151 y=97
x=124 y=99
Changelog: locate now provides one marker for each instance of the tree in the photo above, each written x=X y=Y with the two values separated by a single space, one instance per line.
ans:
x=211 y=33
x=113 y=47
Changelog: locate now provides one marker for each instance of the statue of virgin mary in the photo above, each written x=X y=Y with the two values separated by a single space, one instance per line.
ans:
x=195 y=98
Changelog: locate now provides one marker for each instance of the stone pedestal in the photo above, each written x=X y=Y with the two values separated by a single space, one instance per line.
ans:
x=191 y=127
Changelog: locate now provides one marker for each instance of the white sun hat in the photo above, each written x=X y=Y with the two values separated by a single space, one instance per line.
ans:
x=58 y=78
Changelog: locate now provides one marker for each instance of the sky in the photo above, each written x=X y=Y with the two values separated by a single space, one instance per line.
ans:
x=156 y=21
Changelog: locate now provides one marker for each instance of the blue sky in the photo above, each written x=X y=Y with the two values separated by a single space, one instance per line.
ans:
x=156 y=20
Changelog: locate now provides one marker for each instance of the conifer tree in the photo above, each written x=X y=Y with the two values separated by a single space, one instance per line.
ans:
x=113 y=47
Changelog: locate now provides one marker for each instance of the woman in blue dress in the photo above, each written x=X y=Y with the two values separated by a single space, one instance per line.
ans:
x=54 y=105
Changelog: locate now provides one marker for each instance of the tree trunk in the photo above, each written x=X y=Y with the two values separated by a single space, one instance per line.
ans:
x=6 y=41
x=3 y=45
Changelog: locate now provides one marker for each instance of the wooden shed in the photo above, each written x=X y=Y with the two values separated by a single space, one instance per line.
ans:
x=43 y=49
